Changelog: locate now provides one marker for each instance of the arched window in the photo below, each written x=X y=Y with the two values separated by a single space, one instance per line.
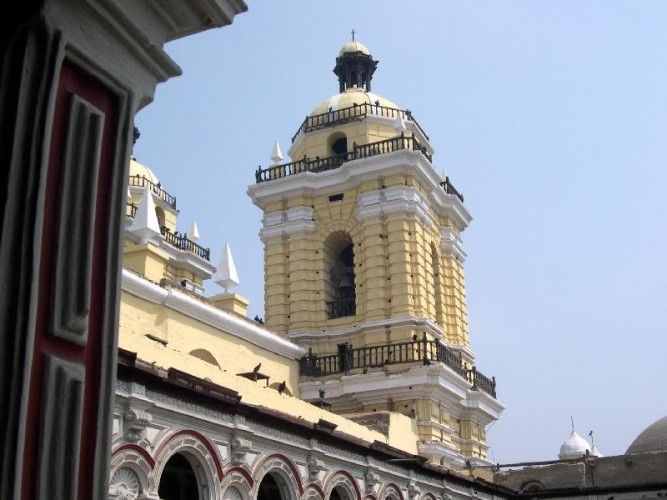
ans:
x=338 y=144
x=339 y=493
x=273 y=487
x=159 y=212
x=178 y=480
x=339 y=286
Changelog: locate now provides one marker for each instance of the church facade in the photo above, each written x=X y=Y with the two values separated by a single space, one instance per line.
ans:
x=360 y=382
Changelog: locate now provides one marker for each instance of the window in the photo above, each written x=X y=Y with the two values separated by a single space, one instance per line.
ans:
x=339 y=276
x=338 y=144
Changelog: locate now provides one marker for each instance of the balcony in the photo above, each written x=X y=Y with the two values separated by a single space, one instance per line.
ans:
x=356 y=112
x=450 y=189
x=332 y=162
x=423 y=351
x=183 y=243
x=141 y=181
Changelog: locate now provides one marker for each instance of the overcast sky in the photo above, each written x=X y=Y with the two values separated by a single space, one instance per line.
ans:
x=549 y=116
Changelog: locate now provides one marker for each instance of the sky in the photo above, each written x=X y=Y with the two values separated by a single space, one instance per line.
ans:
x=549 y=116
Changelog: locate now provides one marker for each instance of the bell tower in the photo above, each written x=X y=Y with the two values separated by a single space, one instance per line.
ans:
x=363 y=261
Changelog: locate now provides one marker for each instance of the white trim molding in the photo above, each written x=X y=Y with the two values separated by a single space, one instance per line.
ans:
x=287 y=222
x=417 y=322
x=452 y=244
x=217 y=318
x=437 y=382
x=352 y=173
x=402 y=200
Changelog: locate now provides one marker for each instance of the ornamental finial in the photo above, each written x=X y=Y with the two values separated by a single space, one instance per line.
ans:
x=353 y=32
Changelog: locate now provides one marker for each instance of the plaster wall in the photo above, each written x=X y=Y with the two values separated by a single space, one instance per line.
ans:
x=181 y=335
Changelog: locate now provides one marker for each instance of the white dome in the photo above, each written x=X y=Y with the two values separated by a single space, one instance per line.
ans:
x=137 y=169
x=573 y=447
x=350 y=97
x=354 y=47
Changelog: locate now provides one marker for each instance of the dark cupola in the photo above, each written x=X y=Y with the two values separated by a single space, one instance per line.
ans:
x=354 y=67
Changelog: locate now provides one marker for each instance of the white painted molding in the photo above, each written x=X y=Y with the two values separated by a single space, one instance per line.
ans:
x=188 y=260
x=353 y=172
x=452 y=244
x=287 y=222
x=222 y=320
x=394 y=200
x=437 y=382
x=439 y=449
x=418 y=322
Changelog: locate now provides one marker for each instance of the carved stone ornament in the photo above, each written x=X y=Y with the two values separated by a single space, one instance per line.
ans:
x=135 y=425
x=124 y=484
x=413 y=491
x=239 y=448
x=372 y=480
x=447 y=492
x=315 y=466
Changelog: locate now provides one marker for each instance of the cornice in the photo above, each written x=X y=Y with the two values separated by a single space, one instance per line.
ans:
x=353 y=172
x=217 y=318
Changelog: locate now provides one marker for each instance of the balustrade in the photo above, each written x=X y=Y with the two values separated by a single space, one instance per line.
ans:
x=424 y=351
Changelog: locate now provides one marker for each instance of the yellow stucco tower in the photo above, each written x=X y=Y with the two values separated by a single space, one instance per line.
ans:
x=363 y=264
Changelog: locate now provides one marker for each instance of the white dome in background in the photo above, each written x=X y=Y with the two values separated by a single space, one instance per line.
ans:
x=573 y=447
x=138 y=169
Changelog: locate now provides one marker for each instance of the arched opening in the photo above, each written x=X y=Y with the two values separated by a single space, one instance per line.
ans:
x=205 y=356
x=159 y=212
x=339 y=287
x=339 y=493
x=178 y=480
x=338 y=144
x=532 y=485
x=273 y=487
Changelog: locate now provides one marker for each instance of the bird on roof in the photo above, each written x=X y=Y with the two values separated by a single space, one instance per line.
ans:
x=281 y=387
x=256 y=369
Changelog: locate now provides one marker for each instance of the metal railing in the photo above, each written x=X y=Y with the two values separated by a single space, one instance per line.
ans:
x=341 y=307
x=450 y=189
x=183 y=243
x=356 y=112
x=142 y=181
x=424 y=351
x=332 y=162
x=131 y=209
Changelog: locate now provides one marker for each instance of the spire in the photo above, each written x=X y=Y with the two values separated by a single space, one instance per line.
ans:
x=226 y=275
x=594 y=449
x=399 y=123
x=194 y=232
x=145 y=224
x=354 y=66
x=276 y=154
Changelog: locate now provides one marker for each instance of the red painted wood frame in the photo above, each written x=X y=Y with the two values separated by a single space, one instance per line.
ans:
x=73 y=83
